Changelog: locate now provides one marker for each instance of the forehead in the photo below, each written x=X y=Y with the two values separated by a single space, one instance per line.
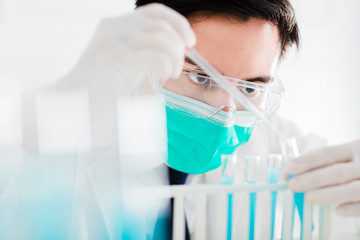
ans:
x=241 y=49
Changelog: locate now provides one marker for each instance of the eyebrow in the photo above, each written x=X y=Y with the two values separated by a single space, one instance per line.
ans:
x=265 y=79
x=262 y=79
x=189 y=61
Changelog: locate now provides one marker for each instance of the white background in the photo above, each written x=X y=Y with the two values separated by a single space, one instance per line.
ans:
x=322 y=80
x=41 y=39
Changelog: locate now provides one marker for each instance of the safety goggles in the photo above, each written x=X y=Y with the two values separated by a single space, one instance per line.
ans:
x=210 y=99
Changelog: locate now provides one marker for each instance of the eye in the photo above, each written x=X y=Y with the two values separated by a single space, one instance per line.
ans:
x=200 y=79
x=249 y=91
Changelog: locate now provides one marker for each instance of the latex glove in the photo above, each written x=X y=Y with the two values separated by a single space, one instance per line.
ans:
x=329 y=175
x=124 y=49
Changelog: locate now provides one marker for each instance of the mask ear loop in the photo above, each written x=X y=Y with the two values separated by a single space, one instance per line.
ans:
x=222 y=107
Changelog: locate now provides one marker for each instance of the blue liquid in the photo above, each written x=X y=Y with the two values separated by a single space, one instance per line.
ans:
x=131 y=229
x=272 y=176
x=299 y=203
x=49 y=218
x=273 y=212
x=252 y=206
x=226 y=180
x=229 y=229
x=299 y=199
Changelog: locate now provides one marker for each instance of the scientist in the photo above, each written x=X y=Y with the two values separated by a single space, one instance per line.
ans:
x=244 y=40
x=329 y=175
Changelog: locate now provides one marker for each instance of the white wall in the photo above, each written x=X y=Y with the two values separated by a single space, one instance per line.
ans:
x=41 y=39
x=322 y=80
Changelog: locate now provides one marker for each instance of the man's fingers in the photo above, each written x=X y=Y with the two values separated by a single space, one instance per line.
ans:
x=344 y=193
x=319 y=158
x=323 y=177
x=180 y=23
x=348 y=209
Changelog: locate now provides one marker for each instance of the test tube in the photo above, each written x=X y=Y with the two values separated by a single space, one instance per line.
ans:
x=290 y=150
x=227 y=178
x=251 y=176
x=274 y=162
x=228 y=167
x=251 y=168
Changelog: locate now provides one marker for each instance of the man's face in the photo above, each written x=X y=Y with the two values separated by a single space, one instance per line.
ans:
x=242 y=50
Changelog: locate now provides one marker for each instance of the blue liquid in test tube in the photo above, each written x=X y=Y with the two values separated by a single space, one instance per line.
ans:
x=251 y=175
x=290 y=150
x=252 y=206
x=273 y=176
x=230 y=209
x=299 y=199
x=227 y=178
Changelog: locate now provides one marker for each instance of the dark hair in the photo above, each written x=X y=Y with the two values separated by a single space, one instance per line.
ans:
x=277 y=12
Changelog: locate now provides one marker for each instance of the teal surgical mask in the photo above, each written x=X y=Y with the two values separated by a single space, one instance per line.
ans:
x=195 y=143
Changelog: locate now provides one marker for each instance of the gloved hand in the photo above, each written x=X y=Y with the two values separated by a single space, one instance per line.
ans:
x=124 y=49
x=329 y=175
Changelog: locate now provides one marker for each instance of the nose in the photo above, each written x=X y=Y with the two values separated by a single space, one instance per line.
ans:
x=227 y=109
